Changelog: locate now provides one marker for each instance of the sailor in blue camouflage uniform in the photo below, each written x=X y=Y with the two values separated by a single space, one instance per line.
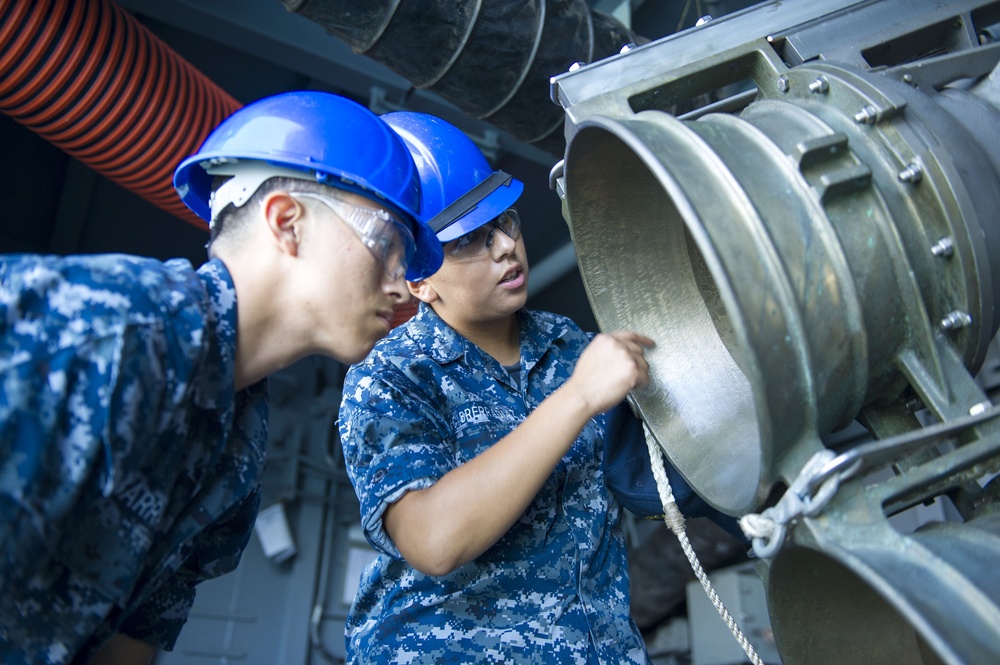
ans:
x=472 y=435
x=118 y=400
x=133 y=428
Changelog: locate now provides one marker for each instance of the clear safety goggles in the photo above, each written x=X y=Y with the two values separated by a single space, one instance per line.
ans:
x=386 y=237
x=477 y=242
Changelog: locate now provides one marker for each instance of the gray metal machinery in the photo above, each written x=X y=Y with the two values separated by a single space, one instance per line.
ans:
x=819 y=245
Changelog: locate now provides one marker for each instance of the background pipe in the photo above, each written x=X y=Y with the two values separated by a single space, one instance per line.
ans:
x=88 y=77
x=493 y=59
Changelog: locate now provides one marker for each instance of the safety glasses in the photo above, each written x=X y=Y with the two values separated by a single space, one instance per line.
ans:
x=477 y=242
x=386 y=237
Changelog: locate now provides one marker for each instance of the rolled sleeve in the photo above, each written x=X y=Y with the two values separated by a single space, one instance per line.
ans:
x=393 y=443
x=159 y=620
x=216 y=551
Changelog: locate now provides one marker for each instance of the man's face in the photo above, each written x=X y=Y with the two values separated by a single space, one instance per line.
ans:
x=352 y=294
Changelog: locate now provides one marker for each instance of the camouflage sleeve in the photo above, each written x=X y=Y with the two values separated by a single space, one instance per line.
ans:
x=158 y=621
x=394 y=442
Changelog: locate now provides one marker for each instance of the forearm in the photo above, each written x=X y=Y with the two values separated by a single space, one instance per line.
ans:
x=471 y=507
x=124 y=650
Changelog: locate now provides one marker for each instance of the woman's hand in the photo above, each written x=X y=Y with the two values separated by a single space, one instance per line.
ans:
x=612 y=365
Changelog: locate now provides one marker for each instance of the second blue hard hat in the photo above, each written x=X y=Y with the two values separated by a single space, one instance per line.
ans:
x=315 y=136
x=460 y=191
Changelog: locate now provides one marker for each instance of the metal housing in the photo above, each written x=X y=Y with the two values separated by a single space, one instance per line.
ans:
x=815 y=242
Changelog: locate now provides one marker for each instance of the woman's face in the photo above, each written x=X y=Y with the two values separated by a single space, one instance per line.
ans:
x=478 y=284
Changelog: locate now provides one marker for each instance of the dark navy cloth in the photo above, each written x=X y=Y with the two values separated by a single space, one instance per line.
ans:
x=629 y=476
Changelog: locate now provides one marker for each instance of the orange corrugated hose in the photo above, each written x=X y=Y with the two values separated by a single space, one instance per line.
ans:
x=88 y=77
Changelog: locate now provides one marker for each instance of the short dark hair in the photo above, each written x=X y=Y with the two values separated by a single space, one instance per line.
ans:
x=232 y=219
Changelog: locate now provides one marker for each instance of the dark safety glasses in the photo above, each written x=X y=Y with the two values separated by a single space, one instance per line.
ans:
x=477 y=242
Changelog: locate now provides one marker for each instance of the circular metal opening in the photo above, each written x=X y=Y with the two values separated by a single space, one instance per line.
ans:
x=823 y=612
x=648 y=266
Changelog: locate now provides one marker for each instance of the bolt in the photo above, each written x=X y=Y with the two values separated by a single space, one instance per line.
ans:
x=913 y=404
x=912 y=173
x=782 y=84
x=908 y=79
x=628 y=47
x=944 y=247
x=820 y=86
x=867 y=115
x=575 y=66
x=976 y=409
x=956 y=320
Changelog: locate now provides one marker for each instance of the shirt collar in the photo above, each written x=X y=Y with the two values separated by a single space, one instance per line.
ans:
x=214 y=388
x=539 y=331
x=440 y=341
x=435 y=337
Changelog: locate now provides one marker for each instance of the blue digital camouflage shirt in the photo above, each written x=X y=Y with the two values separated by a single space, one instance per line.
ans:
x=129 y=468
x=554 y=589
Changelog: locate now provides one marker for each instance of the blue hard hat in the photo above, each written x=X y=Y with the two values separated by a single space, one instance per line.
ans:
x=459 y=190
x=315 y=136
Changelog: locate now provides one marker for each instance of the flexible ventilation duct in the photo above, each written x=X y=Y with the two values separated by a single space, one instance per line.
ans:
x=89 y=78
x=492 y=59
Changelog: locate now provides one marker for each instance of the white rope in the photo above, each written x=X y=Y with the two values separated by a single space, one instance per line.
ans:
x=675 y=522
x=758 y=526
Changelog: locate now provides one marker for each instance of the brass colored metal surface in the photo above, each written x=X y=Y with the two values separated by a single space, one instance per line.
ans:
x=815 y=242
x=783 y=263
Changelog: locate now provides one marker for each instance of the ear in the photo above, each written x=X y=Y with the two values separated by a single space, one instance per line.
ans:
x=283 y=214
x=423 y=291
